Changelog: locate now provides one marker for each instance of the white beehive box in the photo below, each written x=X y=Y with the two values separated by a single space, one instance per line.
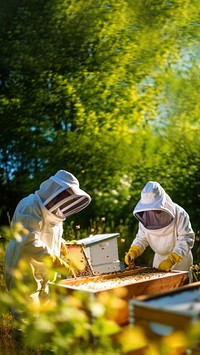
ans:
x=102 y=252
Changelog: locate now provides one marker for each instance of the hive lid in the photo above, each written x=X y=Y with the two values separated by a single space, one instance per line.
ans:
x=93 y=239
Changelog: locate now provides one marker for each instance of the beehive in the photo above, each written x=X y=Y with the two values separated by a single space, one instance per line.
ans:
x=162 y=314
x=136 y=282
x=102 y=252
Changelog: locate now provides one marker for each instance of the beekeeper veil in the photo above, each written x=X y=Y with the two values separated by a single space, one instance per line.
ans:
x=155 y=209
x=61 y=194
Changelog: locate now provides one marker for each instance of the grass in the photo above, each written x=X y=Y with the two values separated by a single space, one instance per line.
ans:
x=8 y=346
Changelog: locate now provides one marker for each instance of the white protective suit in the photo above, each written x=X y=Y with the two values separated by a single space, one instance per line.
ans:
x=62 y=197
x=168 y=231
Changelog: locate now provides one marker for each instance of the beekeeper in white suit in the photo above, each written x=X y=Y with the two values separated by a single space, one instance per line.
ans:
x=42 y=214
x=165 y=227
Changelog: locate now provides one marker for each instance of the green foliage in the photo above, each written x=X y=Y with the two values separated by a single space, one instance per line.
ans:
x=105 y=89
x=108 y=90
x=196 y=272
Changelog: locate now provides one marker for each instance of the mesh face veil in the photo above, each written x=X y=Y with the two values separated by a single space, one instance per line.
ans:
x=67 y=203
x=155 y=209
x=62 y=195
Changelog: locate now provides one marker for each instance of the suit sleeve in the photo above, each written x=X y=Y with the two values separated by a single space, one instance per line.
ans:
x=185 y=234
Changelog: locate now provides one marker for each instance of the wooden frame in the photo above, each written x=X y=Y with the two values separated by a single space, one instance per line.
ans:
x=168 y=281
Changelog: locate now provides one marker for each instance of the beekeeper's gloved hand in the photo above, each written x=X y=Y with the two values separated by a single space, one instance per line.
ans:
x=171 y=260
x=66 y=268
x=132 y=254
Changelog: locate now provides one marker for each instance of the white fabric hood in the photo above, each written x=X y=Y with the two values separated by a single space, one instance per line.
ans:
x=61 y=193
x=154 y=198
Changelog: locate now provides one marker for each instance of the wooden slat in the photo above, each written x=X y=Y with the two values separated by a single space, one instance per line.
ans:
x=144 y=314
x=184 y=286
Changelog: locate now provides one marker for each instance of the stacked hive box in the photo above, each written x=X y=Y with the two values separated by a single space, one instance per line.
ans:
x=101 y=251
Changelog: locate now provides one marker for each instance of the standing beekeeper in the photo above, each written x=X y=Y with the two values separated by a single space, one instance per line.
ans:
x=42 y=215
x=165 y=227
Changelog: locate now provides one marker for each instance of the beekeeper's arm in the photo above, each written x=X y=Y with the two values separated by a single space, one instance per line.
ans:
x=33 y=247
x=184 y=243
x=31 y=244
x=138 y=246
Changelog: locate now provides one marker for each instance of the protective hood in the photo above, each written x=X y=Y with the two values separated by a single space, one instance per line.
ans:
x=61 y=194
x=155 y=209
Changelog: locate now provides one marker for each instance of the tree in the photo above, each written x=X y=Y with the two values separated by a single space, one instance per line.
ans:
x=90 y=87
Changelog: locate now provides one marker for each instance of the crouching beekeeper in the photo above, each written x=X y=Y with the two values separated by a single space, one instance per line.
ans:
x=165 y=227
x=41 y=215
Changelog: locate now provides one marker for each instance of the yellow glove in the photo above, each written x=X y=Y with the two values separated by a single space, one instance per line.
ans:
x=66 y=268
x=171 y=260
x=132 y=254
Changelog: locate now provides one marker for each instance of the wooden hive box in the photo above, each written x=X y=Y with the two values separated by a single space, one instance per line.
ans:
x=101 y=251
x=136 y=282
x=162 y=314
